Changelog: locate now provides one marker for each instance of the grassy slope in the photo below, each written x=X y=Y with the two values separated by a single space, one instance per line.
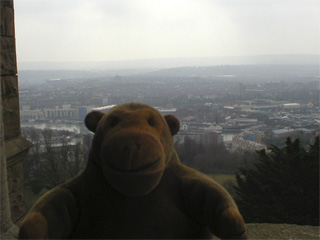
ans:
x=227 y=181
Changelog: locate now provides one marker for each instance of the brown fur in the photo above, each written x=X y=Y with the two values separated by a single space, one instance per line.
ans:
x=134 y=186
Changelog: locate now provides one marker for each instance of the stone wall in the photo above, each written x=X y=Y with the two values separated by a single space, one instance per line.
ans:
x=281 y=231
x=15 y=146
x=16 y=191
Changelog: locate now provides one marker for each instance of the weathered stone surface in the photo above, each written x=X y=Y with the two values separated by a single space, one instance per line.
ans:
x=7 y=229
x=7 y=19
x=11 y=233
x=13 y=146
x=8 y=44
x=11 y=118
x=8 y=56
x=16 y=149
x=6 y=3
x=282 y=231
x=9 y=86
x=17 y=203
x=15 y=177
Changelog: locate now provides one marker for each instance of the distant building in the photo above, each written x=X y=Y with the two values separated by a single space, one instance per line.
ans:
x=32 y=114
x=83 y=111
x=285 y=132
x=103 y=108
x=65 y=113
x=239 y=121
x=188 y=119
x=213 y=128
x=291 y=105
x=265 y=107
x=166 y=110
x=210 y=97
x=239 y=144
x=254 y=136
x=181 y=137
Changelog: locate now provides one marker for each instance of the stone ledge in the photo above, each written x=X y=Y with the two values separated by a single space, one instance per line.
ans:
x=11 y=233
x=282 y=231
x=16 y=149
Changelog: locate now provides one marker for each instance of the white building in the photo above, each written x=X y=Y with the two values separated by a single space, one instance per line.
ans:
x=64 y=112
x=291 y=105
x=241 y=145
x=32 y=114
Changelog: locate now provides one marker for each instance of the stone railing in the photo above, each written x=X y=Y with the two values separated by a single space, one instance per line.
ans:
x=282 y=231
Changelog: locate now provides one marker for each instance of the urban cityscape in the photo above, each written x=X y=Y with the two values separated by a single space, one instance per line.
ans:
x=242 y=160
x=247 y=107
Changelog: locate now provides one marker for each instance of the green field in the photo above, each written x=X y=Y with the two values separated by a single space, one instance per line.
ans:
x=226 y=180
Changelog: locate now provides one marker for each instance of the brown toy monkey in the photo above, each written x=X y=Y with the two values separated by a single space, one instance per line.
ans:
x=134 y=186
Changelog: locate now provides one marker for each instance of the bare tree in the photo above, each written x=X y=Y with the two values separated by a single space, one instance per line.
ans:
x=55 y=158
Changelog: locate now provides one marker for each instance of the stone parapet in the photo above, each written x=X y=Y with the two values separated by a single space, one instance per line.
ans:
x=16 y=149
x=282 y=231
x=16 y=191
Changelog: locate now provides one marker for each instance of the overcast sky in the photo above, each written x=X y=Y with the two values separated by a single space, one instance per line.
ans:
x=104 y=30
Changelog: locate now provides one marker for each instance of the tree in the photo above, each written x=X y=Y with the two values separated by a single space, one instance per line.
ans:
x=188 y=150
x=283 y=186
x=210 y=156
x=54 y=158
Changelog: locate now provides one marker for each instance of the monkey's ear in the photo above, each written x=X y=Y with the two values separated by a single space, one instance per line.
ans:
x=92 y=119
x=173 y=124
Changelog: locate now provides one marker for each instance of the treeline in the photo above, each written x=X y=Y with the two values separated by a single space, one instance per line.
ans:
x=282 y=186
x=56 y=156
x=210 y=156
x=278 y=185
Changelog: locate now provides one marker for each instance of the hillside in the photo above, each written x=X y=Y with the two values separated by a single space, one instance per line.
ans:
x=161 y=63
x=277 y=72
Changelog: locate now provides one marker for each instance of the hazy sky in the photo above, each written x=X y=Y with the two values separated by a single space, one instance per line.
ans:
x=103 y=30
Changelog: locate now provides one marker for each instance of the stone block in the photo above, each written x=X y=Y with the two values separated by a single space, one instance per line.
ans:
x=7 y=19
x=9 y=86
x=282 y=231
x=8 y=56
x=6 y=3
x=11 y=118
x=16 y=149
x=17 y=204
x=15 y=177
x=9 y=179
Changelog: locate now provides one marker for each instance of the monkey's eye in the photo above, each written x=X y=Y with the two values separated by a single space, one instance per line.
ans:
x=113 y=121
x=151 y=122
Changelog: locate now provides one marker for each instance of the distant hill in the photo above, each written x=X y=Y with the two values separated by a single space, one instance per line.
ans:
x=232 y=72
x=42 y=76
x=298 y=59
x=276 y=72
